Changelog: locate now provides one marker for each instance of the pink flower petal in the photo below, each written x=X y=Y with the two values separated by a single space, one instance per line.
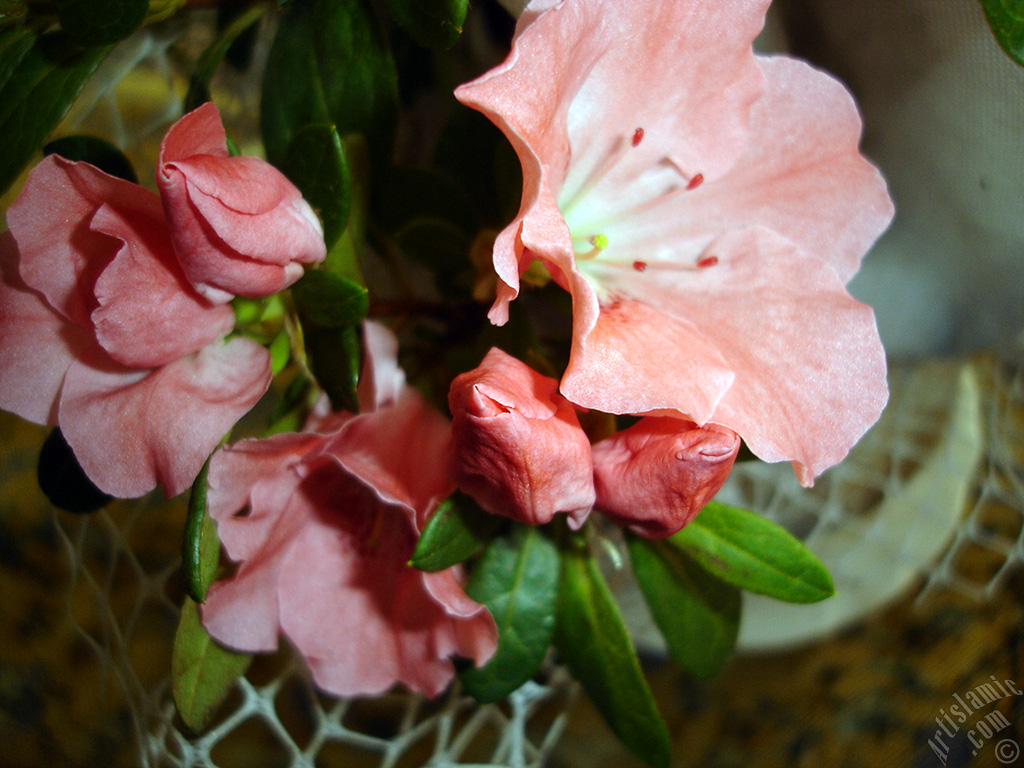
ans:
x=655 y=476
x=132 y=429
x=518 y=447
x=148 y=314
x=61 y=253
x=37 y=344
x=809 y=365
x=238 y=225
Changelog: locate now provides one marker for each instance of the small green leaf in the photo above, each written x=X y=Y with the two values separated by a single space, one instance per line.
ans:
x=200 y=548
x=335 y=356
x=330 y=65
x=698 y=615
x=94 y=151
x=43 y=82
x=209 y=62
x=62 y=479
x=202 y=672
x=327 y=300
x=517 y=579
x=754 y=554
x=100 y=22
x=432 y=23
x=592 y=639
x=280 y=352
x=456 y=531
x=316 y=164
x=1006 y=18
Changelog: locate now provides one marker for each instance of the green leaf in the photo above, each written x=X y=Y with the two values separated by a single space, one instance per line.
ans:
x=330 y=65
x=440 y=246
x=62 y=479
x=1006 y=18
x=202 y=672
x=280 y=352
x=698 y=615
x=12 y=12
x=517 y=579
x=327 y=300
x=43 y=82
x=100 y=22
x=94 y=151
x=456 y=531
x=15 y=43
x=755 y=554
x=335 y=356
x=200 y=548
x=432 y=23
x=592 y=639
x=316 y=164
x=209 y=62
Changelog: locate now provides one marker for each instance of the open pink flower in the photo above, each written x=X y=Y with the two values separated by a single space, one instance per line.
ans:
x=518 y=448
x=705 y=208
x=323 y=523
x=238 y=225
x=101 y=334
x=655 y=476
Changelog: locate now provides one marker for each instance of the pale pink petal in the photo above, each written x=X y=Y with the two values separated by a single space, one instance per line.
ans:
x=238 y=225
x=639 y=359
x=61 y=255
x=476 y=635
x=518 y=447
x=131 y=429
x=37 y=345
x=148 y=314
x=801 y=176
x=250 y=484
x=809 y=365
x=382 y=380
x=200 y=132
x=400 y=452
x=655 y=476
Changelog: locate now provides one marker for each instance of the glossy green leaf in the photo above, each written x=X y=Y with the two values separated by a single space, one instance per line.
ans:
x=209 y=61
x=343 y=258
x=280 y=352
x=456 y=531
x=62 y=479
x=335 y=356
x=330 y=301
x=15 y=43
x=100 y=22
x=43 y=82
x=329 y=65
x=202 y=672
x=12 y=12
x=431 y=23
x=200 y=548
x=316 y=164
x=698 y=615
x=754 y=554
x=1006 y=18
x=94 y=151
x=517 y=579
x=593 y=641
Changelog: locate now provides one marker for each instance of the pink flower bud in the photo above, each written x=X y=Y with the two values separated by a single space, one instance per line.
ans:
x=518 y=446
x=237 y=224
x=654 y=477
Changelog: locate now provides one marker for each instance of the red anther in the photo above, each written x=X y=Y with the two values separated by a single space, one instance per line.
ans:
x=638 y=136
x=639 y=266
x=707 y=261
x=696 y=181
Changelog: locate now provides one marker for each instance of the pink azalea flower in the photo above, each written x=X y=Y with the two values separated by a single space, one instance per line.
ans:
x=103 y=336
x=238 y=225
x=323 y=524
x=518 y=448
x=705 y=208
x=655 y=476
